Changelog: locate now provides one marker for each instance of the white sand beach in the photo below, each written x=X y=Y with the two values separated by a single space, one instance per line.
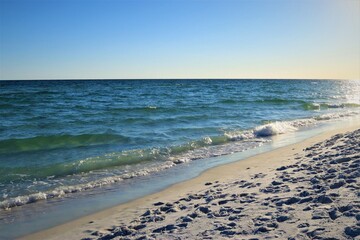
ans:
x=308 y=190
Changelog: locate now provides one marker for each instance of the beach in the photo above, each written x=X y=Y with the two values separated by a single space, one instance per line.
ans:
x=97 y=145
x=179 y=119
x=308 y=190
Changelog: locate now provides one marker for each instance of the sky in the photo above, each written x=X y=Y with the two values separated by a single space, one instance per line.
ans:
x=125 y=39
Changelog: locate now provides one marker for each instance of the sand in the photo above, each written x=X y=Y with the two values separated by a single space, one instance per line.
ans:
x=309 y=190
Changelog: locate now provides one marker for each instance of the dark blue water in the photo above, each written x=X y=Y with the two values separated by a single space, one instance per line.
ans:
x=59 y=137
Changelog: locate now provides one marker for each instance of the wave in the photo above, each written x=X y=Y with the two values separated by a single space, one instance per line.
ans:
x=162 y=158
x=267 y=100
x=110 y=160
x=279 y=101
x=57 y=141
x=305 y=105
x=130 y=157
x=63 y=190
x=271 y=129
x=228 y=101
x=139 y=109
x=320 y=106
x=166 y=120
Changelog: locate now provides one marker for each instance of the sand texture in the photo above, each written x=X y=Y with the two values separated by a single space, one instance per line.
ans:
x=304 y=191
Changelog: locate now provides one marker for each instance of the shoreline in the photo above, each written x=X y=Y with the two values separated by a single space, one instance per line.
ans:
x=126 y=212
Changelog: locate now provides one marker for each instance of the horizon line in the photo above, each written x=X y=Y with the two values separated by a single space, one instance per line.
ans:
x=151 y=79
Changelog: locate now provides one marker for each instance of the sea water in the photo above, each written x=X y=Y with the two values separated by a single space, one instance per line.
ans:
x=69 y=138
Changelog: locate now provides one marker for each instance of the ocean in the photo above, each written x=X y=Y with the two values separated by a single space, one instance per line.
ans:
x=63 y=137
x=69 y=148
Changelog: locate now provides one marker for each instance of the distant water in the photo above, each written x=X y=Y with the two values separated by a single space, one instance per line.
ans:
x=61 y=137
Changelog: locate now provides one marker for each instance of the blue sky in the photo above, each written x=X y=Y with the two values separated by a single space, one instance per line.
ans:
x=61 y=39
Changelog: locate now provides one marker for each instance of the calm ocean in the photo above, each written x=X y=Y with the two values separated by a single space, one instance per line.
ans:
x=63 y=137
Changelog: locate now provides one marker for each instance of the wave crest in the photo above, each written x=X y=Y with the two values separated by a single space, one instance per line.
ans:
x=58 y=141
x=161 y=159
x=321 y=106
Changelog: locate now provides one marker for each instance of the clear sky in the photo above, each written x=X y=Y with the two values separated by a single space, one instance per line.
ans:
x=60 y=39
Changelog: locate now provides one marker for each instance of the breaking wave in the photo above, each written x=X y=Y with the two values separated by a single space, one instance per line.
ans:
x=322 y=106
x=159 y=158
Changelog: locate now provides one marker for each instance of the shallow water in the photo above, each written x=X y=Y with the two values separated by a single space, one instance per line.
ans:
x=30 y=218
x=61 y=137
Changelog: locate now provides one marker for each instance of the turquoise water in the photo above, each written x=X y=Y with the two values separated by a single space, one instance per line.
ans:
x=61 y=137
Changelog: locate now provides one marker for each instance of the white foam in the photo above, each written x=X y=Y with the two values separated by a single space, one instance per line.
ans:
x=339 y=115
x=61 y=191
x=207 y=140
x=272 y=129
x=240 y=135
x=240 y=141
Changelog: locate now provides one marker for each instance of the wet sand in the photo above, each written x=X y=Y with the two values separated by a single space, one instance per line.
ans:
x=309 y=190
